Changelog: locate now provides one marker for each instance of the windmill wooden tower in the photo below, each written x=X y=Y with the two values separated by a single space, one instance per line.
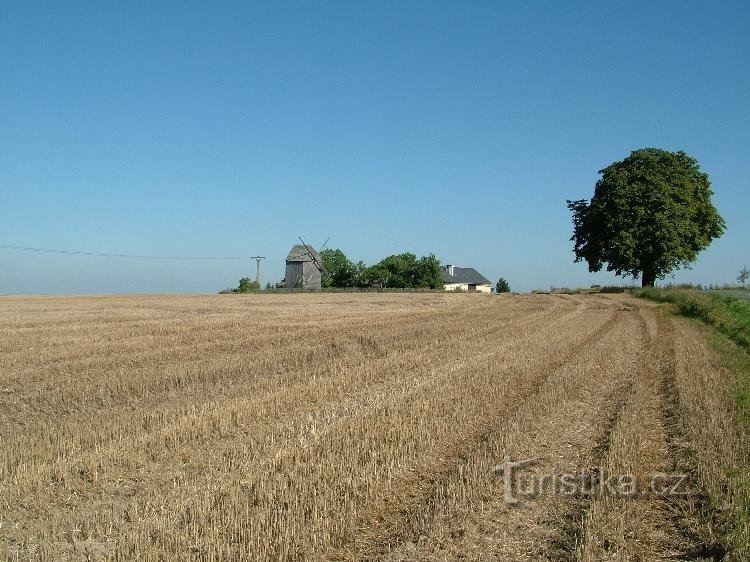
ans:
x=303 y=267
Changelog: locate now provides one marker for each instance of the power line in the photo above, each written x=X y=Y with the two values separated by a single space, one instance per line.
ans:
x=107 y=255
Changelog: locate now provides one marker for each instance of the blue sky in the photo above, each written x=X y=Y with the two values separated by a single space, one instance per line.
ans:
x=457 y=128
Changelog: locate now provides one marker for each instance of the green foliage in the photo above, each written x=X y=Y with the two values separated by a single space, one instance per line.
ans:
x=247 y=285
x=650 y=214
x=361 y=274
x=339 y=271
x=728 y=315
x=430 y=274
x=744 y=275
x=406 y=271
x=502 y=286
x=612 y=289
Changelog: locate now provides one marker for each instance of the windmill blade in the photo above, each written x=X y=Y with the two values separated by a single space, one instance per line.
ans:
x=323 y=247
x=318 y=264
x=309 y=251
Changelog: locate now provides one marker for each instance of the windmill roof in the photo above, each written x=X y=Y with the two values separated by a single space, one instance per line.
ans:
x=300 y=253
x=467 y=275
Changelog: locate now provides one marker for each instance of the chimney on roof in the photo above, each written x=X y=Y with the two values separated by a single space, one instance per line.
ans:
x=450 y=269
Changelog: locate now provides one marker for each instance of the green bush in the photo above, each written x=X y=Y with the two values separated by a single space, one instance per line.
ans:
x=247 y=285
x=694 y=307
x=612 y=289
x=728 y=315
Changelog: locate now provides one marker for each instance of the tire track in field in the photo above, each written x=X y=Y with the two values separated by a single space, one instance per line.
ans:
x=570 y=522
x=685 y=512
x=647 y=441
x=403 y=518
x=556 y=426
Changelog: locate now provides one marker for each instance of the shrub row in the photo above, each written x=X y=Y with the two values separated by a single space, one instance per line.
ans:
x=728 y=315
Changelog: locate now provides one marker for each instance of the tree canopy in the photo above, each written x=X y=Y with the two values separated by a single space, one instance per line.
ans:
x=650 y=214
x=502 y=286
x=247 y=285
x=396 y=271
x=338 y=270
x=406 y=271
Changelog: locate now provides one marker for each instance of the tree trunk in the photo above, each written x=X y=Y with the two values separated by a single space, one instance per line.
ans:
x=649 y=276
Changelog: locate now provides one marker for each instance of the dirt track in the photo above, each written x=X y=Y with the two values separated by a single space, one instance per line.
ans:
x=345 y=427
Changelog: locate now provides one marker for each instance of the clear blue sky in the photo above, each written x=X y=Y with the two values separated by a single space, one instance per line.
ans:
x=458 y=128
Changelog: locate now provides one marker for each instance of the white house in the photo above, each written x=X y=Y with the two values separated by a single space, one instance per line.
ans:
x=465 y=279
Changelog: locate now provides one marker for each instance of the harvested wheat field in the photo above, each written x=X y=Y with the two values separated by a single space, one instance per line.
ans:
x=353 y=427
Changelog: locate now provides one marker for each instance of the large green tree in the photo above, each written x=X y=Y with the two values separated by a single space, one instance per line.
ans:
x=402 y=271
x=650 y=214
x=338 y=270
x=406 y=271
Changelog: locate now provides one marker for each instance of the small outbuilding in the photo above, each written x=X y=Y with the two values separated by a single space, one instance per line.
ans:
x=465 y=279
x=303 y=268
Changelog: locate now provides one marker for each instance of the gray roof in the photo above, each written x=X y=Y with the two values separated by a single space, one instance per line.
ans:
x=300 y=253
x=467 y=275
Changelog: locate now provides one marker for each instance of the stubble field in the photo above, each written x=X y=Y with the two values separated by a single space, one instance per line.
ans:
x=353 y=427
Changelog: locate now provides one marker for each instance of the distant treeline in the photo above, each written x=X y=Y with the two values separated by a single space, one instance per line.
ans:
x=399 y=271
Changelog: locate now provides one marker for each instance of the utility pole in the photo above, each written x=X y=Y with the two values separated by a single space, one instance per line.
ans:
x=257 y=268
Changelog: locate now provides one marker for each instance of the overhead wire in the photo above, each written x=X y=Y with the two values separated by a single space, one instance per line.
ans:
x=112 y=255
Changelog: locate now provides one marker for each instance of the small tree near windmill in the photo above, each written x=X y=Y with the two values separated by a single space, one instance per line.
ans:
x=744 y=275
x=248 y=285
